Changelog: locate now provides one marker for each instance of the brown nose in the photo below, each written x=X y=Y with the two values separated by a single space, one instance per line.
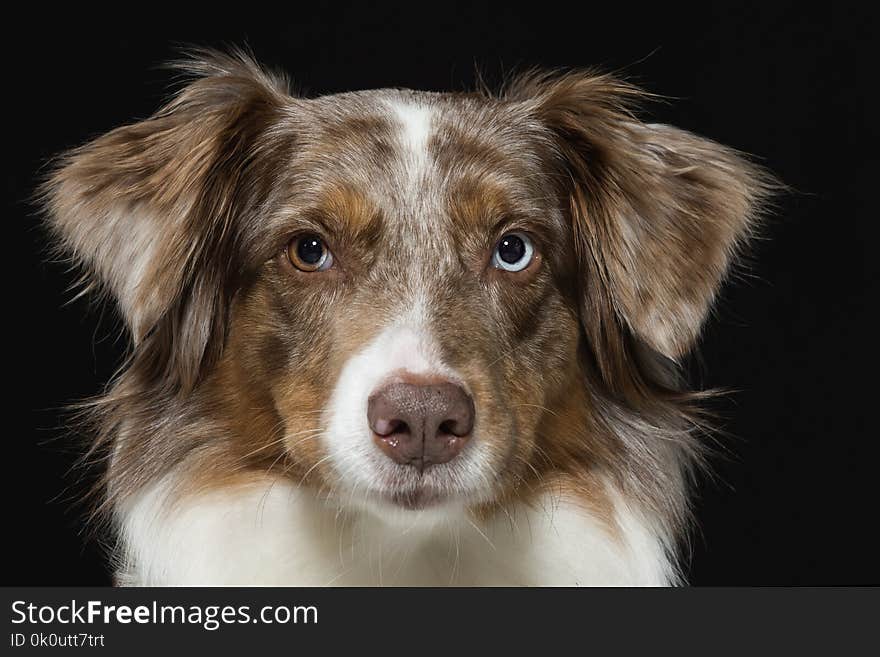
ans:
x=421 y=425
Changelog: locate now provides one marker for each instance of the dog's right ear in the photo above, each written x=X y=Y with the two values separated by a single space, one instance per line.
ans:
x=658 y=214
x=149 y=209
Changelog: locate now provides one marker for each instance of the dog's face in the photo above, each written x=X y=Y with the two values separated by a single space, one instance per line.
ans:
x=413 y=320
x=414 y=291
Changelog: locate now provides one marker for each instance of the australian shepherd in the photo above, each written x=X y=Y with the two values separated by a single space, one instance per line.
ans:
x=395 y=337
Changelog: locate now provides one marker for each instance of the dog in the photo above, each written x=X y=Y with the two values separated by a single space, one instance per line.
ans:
x=396 y=337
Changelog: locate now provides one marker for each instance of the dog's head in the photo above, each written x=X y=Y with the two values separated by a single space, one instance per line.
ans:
x=414 y=299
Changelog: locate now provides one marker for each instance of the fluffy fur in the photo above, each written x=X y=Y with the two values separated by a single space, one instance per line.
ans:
x=237 y=445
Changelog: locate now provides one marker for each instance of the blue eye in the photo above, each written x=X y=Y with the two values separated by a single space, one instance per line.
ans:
x=513 y=252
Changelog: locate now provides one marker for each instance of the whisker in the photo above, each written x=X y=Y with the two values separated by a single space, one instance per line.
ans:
x=543 y=408
x=480 y=532
x=315 y=465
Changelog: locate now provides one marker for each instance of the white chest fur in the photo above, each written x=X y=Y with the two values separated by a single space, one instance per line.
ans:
x=273 y=533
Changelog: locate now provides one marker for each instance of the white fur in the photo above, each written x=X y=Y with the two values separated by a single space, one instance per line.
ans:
x=272 y=533
x=404 y=346
x=415 y=130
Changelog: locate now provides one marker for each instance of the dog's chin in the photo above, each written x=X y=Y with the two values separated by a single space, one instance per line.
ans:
x=421 y=498
x=413 y=506
x=416 y=499
x=412 y=510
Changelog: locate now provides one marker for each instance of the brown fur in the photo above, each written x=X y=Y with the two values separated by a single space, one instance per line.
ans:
x=571 y=362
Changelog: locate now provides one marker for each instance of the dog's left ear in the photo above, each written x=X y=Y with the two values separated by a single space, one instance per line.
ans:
x=657 y=213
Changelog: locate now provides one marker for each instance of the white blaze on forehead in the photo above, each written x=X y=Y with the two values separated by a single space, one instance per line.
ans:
x=415 y=121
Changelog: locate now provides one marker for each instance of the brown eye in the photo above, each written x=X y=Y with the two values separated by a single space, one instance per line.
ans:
x=307 y=252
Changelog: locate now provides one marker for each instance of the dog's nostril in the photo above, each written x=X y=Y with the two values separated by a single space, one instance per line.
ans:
x=421 y=425
x=385 y=427
x=451 y=427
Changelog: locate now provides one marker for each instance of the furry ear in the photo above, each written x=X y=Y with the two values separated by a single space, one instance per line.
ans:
x=149 y=209
x=658 y=213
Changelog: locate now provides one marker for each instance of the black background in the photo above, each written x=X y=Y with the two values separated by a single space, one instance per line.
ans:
x=793 y=500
